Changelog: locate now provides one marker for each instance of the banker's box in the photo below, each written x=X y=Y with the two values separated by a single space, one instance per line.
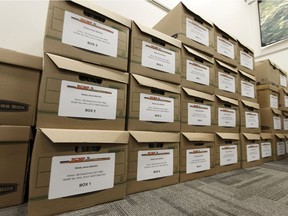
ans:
x=285 y=122
x=197 y=70
x=249 y=117
x=85 y=31
x=247 y=86
x=14 y=146
x=75 y=169
x=283 y=99
x=154 y=54
x=267 y=72
x=197 y=156
x=188 y=27
x=153 y=105
x=79 y=95
x=20 y=77
x=266 y=147
x=271 y=120
x=278 y=146
x=245 y=58
x=153 y=160
x=268 y=96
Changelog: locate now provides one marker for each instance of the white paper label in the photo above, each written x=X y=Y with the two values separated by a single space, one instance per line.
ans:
x=87 y=101
x=286 y=101
x=247 y=89
x=283 y=81
x=228 y=155
x=156 y=108
x=285 y=124
x=199 y=114
x=286 y=143
x=197 y=32
x=251 y=120
x=79 y=174
x=266 y=150
x=281 y=148
x=84 y=33
x=158 y=58
x=225 y=48
x=253 y=152
x=226 y=82
x=246 y=60
x=197 y=73
x=197 y=160
x=273 y=101
x=154 y=164
x=277 y=123
x=226 y=117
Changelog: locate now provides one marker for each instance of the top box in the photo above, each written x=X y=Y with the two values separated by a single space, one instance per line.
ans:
x=245 y=58
x=84 y=31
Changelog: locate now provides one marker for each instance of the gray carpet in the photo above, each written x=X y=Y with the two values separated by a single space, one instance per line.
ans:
x=261 y=190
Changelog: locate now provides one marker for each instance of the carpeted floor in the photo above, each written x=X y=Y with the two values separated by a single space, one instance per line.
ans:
x=261 y=190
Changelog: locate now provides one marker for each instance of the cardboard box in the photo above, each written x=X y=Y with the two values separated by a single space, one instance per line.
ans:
x=283 y=78
x=283 y=99
x=249 y=117
x=267 y=72
x=279 y=146
x=228 y=152
x=245 y=58
x=226 y=80
x=268 y=96
x=197 y=111
x=143 y=111
x=286 y=143
x=247 y=86
x=20 y=77
x=250 y=148
x=266 y=147
x=153 y=160
x=188 y=27
x=271 y=120
x=79 y=95
x=285 y=122
x=197 y=152
x=226 y=114
x=75 y=169
x=14 y=144
x=197 y=70
x=154 y=54
x=84 y=31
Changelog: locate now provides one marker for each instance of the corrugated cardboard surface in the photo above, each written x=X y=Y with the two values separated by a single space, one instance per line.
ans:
x=247 y=106
x=283 y=92
x=267 y=72
x=277 y=137
x=263 y=94
x=249 y=78
x=267 y=124
x=266 y=137
x=250 y=52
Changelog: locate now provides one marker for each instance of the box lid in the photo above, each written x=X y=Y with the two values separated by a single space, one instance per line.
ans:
x=14 y=133
x=285 y=90
x=251 y=104
x=217 y=27
x=229 y=136
x=207 y=137
x=267 y=87
x=280 y=136
x=146 y=136
x=87 y=68
x=222 y=64
x=245 y=46
x=250 y=136
x=285 y=113
x=198 y=94
x=286 y=135
x=198 y=54
x=276 y=111
x=152 y=83
x=251 y=77
x=85 y=136
x=266 y=136
x=228 y=100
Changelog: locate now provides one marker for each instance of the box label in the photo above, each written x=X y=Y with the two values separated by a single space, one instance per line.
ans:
x=158 y=58
x=197 y=160
x=154 y=164
x=281 y=148
x=283 y=81
x=197 y=73
x=226 y=117
x=251 y=120
x=247 y=89
x=286 y=144
x=277 y=123
x=197 y=32
x=273 y=101
x=226 y=82
x=285 y=124
x=266 y=150
x=246 y=60
x=87 y=101
x=228 y=155
x=199 y=114
x=87 y=34
x=224 y=47
x=79 y=174
x=253 y=152
x=156 y=108
x=286 y=101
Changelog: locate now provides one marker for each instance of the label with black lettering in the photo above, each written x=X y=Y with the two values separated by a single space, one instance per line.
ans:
x=247 y=89
x=251 y=120
x=253 y=152
x=226 y=117
x=266 y=149
x=225 y=47
x=228 y=155
x=280 y=148
x=197 y=32
x=13 y=106
x=8 y=188
x=199 y=114
x=246 y=60
x=197 y=160
x=226 y=82
x=197 y=72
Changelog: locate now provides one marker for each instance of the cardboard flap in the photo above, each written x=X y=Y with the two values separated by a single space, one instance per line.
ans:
x=285 y=90
x=114 y=16
x=198 y=94
x=275 y=66
x=280 y=136
x=251 y=104
x=152 y=83
x=247 y=75
x=228 y=100
x=207 y=137
x=286 y=136
x=267 y=87
x=85 y=136
x=159 y=35
x=245 y=46
x=283 y=73
x=266 y=136
x=146 y=137
x=87 y=68
x=250 y=136
x=276 y=111
x=200 y=55
x=14 y=133
x=285 y=114
x=215 y=26
x=222 y=64
x=229 y=136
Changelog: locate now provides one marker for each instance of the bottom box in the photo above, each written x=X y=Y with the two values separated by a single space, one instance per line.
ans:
x=278 y=146
x=266 y=147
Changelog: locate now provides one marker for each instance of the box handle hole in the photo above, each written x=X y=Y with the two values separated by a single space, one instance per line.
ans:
x=155 y=145
x=158 y=91
x=199 y=59
x=90 y=79
x=228 y=142
x=158 y=41
x=87 y=149
x=94 y=16
x=198 y=20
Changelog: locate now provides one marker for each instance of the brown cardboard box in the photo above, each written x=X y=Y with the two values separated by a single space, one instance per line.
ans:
x=227 y=151
x=197 y=111
x=285 y=122
x=267 y=72
x=74 y=95
x=226 y=114
x=197 y=152
x=283 y=78
x=197 y=70
x=271 y=120
x=154 y=54
x=226 y=80
x=74 y=169
x=249 y=117
x=14 y=144
x=266 y=147
x=250 y=148
x=153 y=160
x=20 y=77
x=143 y=111
x=247 y=86
x=245 y=58
x=84 y=31
x=283 y=99
x=278 y=146
x=268 y=96
x=188 y=27
x=286 y=144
